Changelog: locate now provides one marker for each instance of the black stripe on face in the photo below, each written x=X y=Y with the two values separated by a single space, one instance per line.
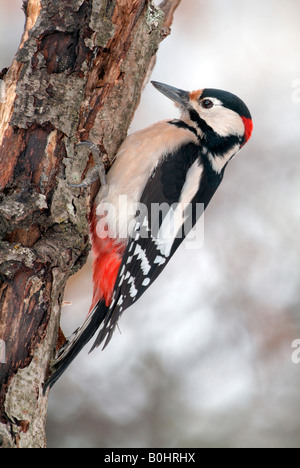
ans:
x=215 y=143
x=218 y=145
x=182 y=124
x=195 y=117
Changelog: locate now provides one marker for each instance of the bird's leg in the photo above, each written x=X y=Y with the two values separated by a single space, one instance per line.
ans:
x=97 y=171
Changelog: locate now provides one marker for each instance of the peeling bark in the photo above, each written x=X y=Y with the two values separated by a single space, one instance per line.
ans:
x=77 y=75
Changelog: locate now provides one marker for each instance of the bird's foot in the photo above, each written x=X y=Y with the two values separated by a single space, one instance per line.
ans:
x=97 y=171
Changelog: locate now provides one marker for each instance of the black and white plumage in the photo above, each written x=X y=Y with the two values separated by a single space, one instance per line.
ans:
x=175 y=164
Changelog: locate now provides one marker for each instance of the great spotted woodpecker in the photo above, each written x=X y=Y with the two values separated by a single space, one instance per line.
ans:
x=178 y=163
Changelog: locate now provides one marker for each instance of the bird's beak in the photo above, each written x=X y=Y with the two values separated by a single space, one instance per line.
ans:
x=177 y=95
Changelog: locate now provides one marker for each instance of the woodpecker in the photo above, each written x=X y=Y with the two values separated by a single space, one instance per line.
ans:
x=177 y=163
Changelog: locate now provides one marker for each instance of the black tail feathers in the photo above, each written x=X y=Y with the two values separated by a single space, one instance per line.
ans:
x=76 y=342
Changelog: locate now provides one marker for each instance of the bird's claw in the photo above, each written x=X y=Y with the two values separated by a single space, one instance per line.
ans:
x=97 y=171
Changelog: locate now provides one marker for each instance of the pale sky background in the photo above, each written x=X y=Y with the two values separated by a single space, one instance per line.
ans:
x=204 y=357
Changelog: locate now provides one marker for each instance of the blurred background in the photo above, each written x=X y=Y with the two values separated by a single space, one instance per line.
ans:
x=204 y=359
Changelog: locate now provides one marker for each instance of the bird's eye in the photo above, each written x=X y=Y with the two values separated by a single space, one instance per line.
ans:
x=206 y=104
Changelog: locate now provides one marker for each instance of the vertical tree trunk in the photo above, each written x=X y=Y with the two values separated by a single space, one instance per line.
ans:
x=78 y=74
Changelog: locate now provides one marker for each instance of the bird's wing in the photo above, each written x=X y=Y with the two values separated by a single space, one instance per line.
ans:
x=173 y=200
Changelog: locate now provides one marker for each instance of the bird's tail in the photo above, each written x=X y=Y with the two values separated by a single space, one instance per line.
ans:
x=76 y=342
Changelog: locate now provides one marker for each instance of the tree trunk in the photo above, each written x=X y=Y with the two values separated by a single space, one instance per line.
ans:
x=77 y=75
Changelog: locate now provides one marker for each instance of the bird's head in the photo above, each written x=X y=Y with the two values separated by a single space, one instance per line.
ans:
x=222 y=120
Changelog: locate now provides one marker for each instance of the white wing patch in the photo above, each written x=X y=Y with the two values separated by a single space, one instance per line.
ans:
x=173 y=224
x=192 y=182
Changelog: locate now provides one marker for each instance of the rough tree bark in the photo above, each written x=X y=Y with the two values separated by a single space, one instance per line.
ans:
x=77 y=75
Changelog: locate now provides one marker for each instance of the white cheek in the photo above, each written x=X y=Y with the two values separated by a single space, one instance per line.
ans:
x=224 y=121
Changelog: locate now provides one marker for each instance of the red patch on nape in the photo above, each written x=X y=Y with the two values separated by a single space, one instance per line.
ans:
x=107 y=260
x=248 y=128
x=194 y=95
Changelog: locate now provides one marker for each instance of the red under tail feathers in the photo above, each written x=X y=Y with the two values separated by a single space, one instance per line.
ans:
x=107 y=260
